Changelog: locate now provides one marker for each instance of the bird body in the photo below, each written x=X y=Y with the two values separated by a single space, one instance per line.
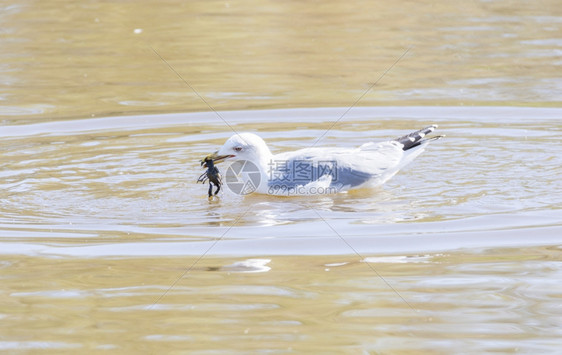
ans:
x=324 y=170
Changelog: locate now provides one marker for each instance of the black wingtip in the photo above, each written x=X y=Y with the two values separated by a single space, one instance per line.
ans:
x=416 y=138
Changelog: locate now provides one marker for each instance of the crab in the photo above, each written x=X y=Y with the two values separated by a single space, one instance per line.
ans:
x=212 y=174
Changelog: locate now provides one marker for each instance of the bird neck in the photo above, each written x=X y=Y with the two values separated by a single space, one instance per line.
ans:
x=265 y=159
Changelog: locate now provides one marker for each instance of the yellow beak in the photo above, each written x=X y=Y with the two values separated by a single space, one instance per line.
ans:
x=216 y=158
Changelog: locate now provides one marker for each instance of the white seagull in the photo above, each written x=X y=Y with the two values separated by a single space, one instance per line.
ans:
x=315 y=170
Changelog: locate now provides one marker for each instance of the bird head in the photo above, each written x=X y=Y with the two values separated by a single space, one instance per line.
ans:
x=243 y=146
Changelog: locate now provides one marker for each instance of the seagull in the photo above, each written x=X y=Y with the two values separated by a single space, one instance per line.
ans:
x=315 y=170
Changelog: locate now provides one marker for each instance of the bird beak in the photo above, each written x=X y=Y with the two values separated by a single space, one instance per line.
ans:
x=216 y=158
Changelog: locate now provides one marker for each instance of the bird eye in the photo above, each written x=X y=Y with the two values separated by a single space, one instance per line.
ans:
x=238 y=149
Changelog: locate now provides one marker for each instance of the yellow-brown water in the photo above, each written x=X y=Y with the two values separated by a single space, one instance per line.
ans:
x=107 y=245
x=72 y=59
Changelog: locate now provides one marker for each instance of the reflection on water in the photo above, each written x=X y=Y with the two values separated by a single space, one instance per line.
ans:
x=495 y=301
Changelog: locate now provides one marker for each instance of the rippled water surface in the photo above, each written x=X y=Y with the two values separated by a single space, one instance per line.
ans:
x=107 y=186
x=107 y=244
x=103 y=230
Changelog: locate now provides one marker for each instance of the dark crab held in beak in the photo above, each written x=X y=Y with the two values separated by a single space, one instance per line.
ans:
x=212 y=174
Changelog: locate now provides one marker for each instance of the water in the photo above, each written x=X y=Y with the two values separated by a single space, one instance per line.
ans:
x=107 y=244
x=62 y=59
x=103 y=231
